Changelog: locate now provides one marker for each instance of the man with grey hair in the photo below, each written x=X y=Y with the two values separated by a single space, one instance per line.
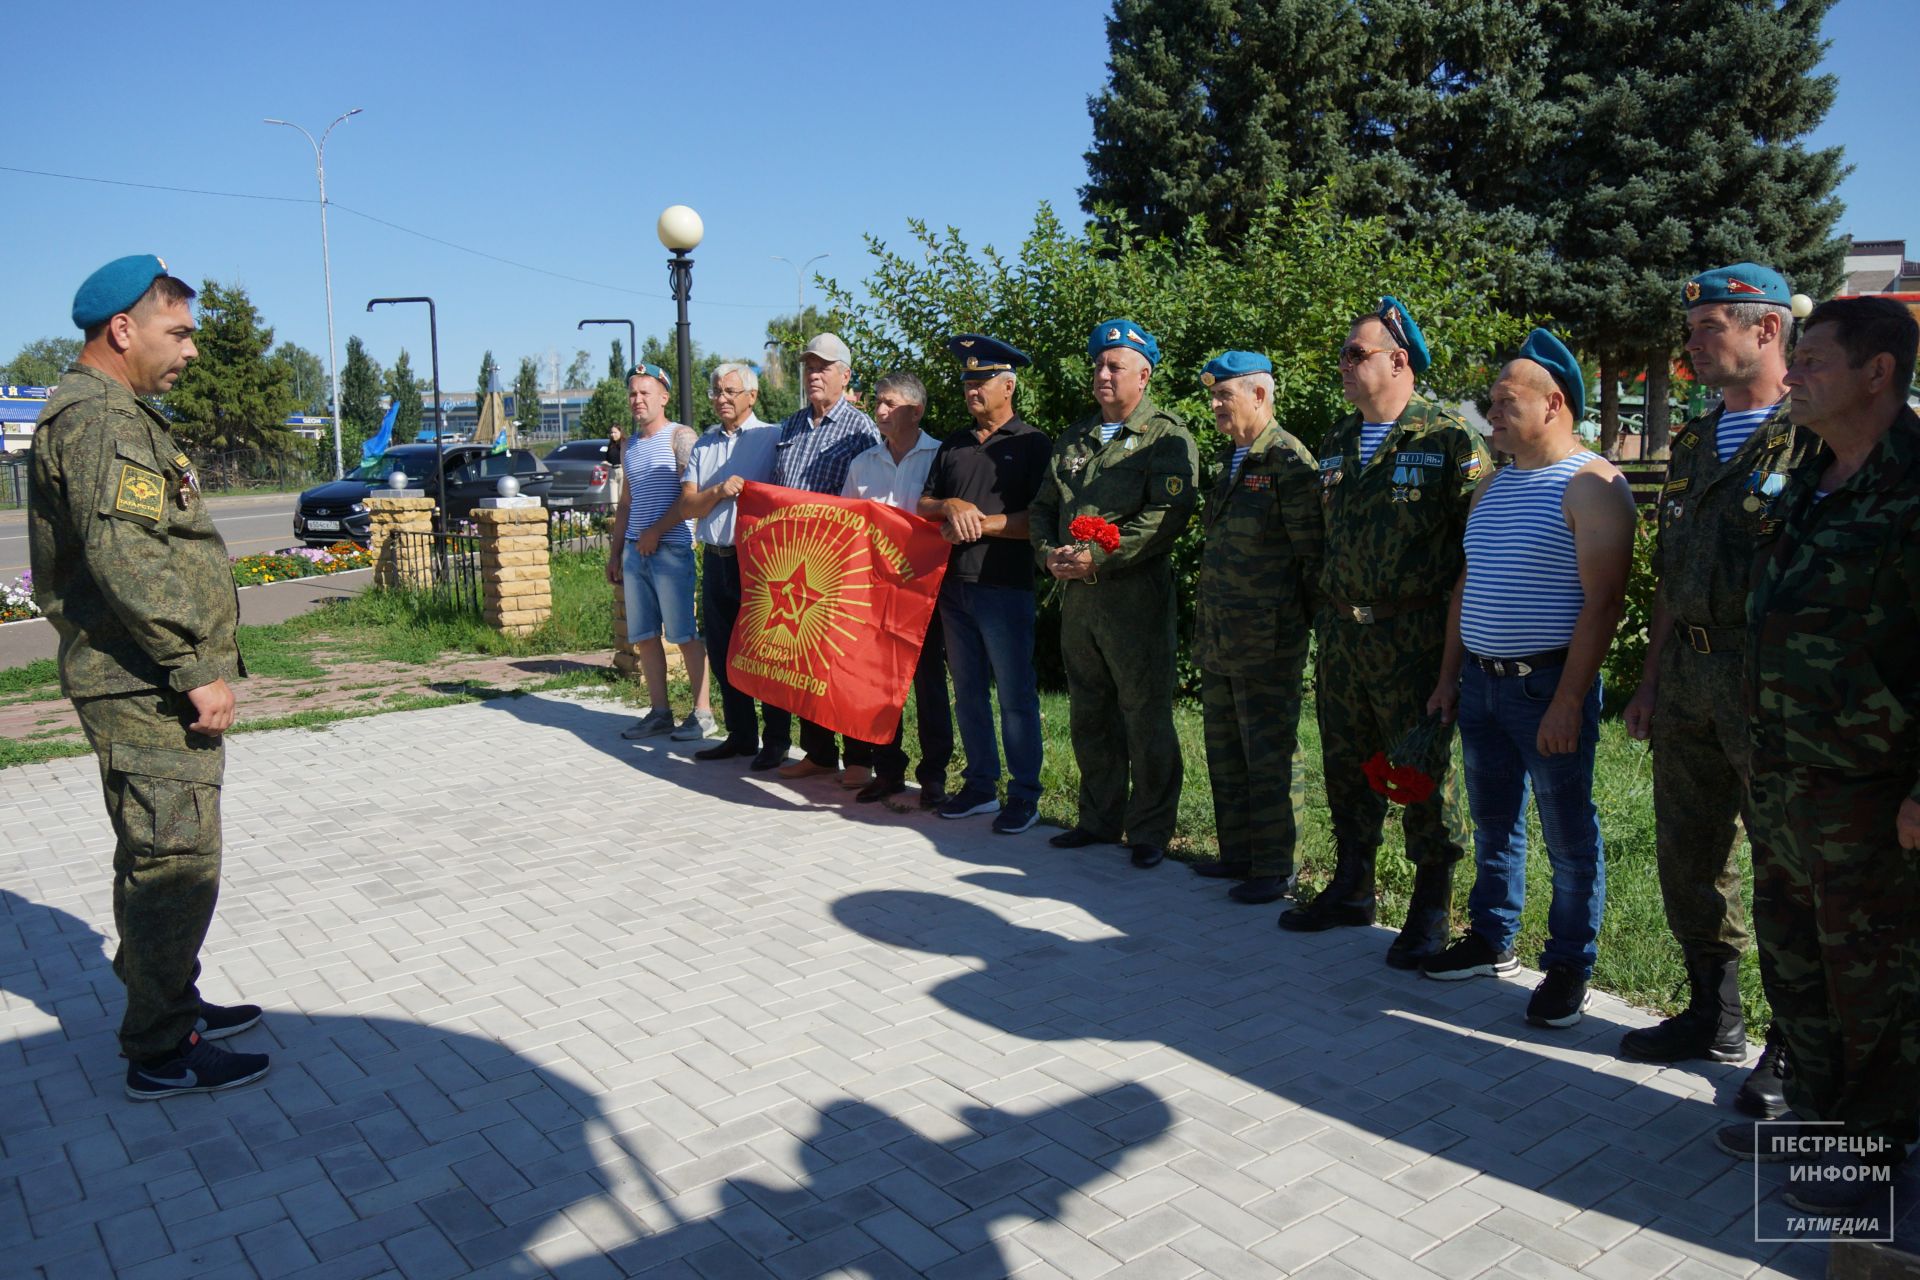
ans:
x=817 y=446
x=736 y=450
x=980 y=488
x=895 y=474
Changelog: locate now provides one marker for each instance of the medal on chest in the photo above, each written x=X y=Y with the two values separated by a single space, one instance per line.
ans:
x=1075 y=463
x=189 y=485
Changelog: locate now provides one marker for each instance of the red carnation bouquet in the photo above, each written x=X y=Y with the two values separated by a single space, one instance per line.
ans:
x=1397 y=774
x=1095 y=531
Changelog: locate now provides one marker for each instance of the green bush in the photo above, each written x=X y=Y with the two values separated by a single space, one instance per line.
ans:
x=1625 y=657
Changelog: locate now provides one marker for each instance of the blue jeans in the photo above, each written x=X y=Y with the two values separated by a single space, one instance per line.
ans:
x=1499 y=723
x=990 y=641
x=659 y=591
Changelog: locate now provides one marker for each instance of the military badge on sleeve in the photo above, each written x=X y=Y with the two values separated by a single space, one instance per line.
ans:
x=139 y=492
x=1174 y=484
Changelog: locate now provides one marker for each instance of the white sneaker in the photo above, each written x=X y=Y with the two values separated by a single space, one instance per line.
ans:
x=697 y=725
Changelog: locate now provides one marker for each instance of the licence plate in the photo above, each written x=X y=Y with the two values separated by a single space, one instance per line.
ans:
x=326 y=525
x=559 y=502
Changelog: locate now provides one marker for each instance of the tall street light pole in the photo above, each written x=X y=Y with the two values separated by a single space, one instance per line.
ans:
x=800 y=281
x=439 y=422
x=326 y=270
x=680 y=230
x=633 y=348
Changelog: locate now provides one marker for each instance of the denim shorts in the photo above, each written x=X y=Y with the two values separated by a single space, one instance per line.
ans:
x=659 y=591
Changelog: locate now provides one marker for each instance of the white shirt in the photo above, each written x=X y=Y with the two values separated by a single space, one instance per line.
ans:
x=874 y=474
x=719 y=454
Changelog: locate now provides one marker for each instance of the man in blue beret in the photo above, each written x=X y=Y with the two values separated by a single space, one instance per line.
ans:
x=1135 y=466
x=1719 y=513
x=981 y=489
x=1395 y=478
x=1259 y=586
x=129 y=569
x=1549 y=543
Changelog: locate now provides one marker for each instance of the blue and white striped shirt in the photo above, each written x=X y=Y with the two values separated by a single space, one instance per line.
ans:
x=1736 y=427
x=653 y=484
x=817 y=458
x=1239 y=456
x=1108 y=430
x=1523 y=592
x=1372 y=436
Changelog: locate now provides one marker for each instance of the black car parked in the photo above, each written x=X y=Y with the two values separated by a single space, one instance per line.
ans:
x=337 y=510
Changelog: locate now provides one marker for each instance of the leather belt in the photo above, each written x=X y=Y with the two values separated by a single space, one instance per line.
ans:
x=1368 y=613
x=1711 y=639
x=1523 y=666
x=714 y=549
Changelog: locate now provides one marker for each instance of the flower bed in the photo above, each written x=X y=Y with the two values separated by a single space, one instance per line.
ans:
x=299 y=562
x=16 y=600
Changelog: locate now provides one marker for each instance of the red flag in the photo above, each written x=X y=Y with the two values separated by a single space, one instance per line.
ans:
x=835 y=597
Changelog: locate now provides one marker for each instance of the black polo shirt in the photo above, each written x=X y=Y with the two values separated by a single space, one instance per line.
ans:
x=999 y=475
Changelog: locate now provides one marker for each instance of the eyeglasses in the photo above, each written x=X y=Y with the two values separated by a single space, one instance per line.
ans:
x=726 y=393
x=1353 y=353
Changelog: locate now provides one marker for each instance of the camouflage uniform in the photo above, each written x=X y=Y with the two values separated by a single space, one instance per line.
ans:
x=1834 y=704
x=1118 y=634
x=1394 y=530
x=1259 y=576
x=1715 y=519
x=129 y=569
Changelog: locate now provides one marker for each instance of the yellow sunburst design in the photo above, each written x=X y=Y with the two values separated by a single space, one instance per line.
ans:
x=814 y=574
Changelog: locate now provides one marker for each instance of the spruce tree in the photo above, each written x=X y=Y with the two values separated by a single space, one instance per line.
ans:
x=489 y=371
x=360 y=386
x=526 y=397
x=405 y=389
x=232 y=397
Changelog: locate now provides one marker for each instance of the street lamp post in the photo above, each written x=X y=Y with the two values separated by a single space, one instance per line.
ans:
x=680 y=230
x=800 y=281
x=439 y=423
x=326 y=271
x=633 y=348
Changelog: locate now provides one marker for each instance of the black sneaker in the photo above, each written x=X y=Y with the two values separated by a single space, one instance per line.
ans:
x=971 y=802
x=1560 y=998
x=933 y=797
x=198 y=1067
x=217 y=1021
x=1470 y=956
x=1016 y=815
x=1767 y=1142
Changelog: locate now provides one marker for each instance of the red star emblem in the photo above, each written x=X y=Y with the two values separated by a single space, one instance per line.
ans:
x=792 y=597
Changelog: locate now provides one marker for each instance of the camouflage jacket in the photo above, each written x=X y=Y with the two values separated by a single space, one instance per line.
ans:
x=1717 y=518
x=1260 y=571
x=126 y=562
x=1830 y=674
x=1144 y=480
x=1395 y=526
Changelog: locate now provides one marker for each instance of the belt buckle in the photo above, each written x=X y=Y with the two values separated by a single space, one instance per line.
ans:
x=1360 y=612
x=1697 y=637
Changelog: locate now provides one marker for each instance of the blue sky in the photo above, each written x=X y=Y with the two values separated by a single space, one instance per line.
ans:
x=554 y=134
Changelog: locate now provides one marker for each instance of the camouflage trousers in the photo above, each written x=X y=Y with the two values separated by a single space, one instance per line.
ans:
x=1252 y=730
x=162 y=787
x=1836 y=909
x=1699 y=789
x=1117 y=637
x=1371 y=684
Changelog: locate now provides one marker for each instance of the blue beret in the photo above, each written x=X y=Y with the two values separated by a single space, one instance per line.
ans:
x=1741 y=282
x=114 y=288
x=650 y=371
x=982 y=357
x=1405 y=334
x=1233 y=364
x=1109 y=334
x=1552 y=355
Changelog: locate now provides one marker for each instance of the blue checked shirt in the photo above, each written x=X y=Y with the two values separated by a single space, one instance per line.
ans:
x=817 y=458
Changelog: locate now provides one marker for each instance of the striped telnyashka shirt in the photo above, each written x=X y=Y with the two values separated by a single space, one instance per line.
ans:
x=1523 y=591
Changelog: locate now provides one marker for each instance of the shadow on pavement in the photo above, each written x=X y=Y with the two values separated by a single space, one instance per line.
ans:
x=452 y=1152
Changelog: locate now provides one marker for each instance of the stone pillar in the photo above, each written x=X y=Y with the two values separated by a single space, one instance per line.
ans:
x=516 y=584
x=400 y=562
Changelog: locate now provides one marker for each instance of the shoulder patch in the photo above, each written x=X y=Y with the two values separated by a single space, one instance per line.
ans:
x=1470 y=467
x=138 y=492
x=1174 y=484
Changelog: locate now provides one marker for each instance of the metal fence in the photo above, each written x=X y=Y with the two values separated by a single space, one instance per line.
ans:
x=583 y=528
x=445 y=566
x=243 y=469
x=13 y=482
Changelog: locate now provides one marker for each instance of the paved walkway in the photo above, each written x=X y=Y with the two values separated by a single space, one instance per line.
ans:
x=542 y=1001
